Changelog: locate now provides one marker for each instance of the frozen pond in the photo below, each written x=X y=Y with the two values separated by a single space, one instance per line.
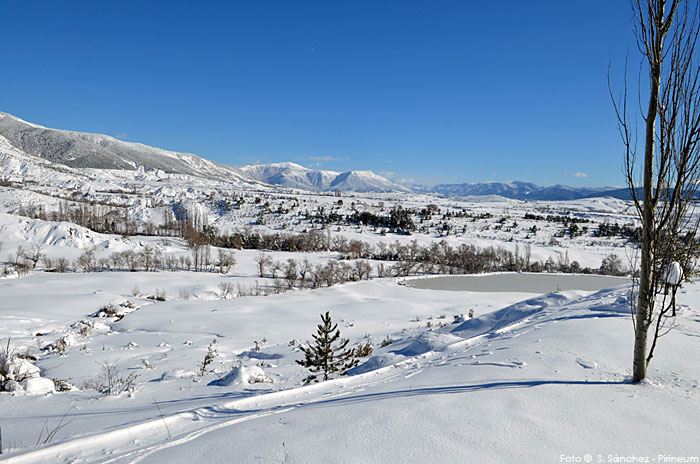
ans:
x=518 y=282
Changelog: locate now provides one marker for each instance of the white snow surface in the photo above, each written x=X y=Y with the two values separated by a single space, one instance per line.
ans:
x=522 y=380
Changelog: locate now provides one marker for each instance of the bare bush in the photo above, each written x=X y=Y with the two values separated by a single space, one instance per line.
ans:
x=225 y=290
x=111 y=381
x=225 y=261
x=86 y=261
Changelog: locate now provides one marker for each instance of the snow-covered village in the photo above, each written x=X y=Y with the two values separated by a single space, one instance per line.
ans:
x=363 y=262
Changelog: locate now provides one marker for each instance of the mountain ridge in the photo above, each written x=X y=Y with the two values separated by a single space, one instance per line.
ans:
x=519 y=190
x=98 y=151
x=292 y=175
x=79 y=150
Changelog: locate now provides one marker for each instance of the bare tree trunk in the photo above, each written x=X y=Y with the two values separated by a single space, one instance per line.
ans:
x=654 y=50
x=639 y=367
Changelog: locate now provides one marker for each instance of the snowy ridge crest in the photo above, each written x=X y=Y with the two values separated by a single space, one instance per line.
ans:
x=84 y=150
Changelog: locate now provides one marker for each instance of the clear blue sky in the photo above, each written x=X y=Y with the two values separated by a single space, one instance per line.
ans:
x=436 y=91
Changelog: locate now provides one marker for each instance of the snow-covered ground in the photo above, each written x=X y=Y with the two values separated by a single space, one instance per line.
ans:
x=529 y=378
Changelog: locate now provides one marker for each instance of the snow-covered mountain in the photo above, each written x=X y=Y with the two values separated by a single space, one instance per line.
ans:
x=521 y=190
x=292 y=175
x=84 y=150
x=30 y=149
x=75 y=153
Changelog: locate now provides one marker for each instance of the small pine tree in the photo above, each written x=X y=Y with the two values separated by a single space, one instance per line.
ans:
x=323 y=358
x=208 y=358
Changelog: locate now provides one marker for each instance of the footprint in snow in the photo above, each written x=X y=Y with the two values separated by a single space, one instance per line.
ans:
x=511 y=364
x=587 y=364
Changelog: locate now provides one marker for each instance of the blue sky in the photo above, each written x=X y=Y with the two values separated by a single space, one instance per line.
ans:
x=439 y=91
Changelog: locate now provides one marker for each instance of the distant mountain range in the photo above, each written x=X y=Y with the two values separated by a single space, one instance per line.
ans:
x=81 y=150
x=525 y=191
x=292 y=175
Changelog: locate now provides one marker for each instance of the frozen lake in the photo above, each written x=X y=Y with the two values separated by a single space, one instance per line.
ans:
x=518 y=282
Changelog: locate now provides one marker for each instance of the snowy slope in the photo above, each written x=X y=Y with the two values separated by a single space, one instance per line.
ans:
x=364 y=181
x=291 y=175
x=521 y=382
x=83 y=150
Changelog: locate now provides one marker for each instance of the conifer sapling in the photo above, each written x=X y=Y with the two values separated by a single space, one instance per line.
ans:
x=323 y=358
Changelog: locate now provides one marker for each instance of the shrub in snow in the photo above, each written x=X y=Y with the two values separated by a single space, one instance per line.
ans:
x=111 y=381
x=62 y=385
x=59 y=346
x=326 y=358
x=363 y=350
x=225 y=290
x=18 y=374
x=159 y=296
x=212 y=353
x=184 y=294
x=86 y=261
x=109 y=310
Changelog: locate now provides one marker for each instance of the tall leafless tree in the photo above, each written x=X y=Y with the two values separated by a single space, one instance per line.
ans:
x=667 y=33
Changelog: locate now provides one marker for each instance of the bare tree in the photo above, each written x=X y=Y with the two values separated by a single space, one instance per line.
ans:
x=263 y=260
x=19 y=254
x=291 y=273
x=87 y=261
x=305 y=268
x=226 y=260
x=35 y=255
x=667 y=32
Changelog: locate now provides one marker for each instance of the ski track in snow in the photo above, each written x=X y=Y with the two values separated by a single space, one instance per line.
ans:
x=129 y=444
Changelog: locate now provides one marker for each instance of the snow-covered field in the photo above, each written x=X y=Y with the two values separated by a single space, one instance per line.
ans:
x=529 y=378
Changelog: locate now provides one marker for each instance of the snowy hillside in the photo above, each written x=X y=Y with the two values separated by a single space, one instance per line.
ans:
x=364 y=181
x=83 y=150
x=519 y=381
x=292 y=175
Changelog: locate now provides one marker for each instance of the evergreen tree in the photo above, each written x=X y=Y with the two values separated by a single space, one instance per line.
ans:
x=324 y=358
